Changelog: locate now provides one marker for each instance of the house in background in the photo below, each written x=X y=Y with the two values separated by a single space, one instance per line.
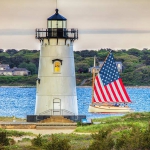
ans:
x=118 y=64
x=5 y=70
x=6 y=73
x=20 y=71
x=97 y=69
x=4 y=66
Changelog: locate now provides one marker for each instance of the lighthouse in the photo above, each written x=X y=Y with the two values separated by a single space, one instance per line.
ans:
x=56 y=84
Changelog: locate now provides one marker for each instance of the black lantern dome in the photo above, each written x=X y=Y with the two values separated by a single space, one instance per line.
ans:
x=57 y=21
x=57 y=28
x=57 y=16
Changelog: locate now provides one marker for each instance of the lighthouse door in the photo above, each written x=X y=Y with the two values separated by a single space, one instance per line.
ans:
x=56 y=106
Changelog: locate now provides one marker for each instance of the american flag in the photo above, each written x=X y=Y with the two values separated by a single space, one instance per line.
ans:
x=108 y=86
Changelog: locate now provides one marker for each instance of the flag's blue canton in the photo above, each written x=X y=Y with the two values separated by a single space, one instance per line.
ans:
x=109 y=71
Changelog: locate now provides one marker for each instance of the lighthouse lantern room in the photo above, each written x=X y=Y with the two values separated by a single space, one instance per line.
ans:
x=56 y=84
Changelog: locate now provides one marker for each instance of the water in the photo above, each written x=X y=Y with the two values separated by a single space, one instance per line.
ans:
x=20 y=102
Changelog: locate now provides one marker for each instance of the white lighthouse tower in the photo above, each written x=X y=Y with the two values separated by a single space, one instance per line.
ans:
x=56 y=84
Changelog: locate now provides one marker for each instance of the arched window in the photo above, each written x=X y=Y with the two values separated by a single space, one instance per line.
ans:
x=57 y=65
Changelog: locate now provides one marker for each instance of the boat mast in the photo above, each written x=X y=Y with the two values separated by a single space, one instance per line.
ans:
x=93 y=72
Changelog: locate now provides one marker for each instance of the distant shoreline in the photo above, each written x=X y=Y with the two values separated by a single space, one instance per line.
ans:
x=137 y=86
x=18 y=86
x=77 y=86
x=125 y=86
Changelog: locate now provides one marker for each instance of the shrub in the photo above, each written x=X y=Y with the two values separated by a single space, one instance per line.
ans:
x=12 y=141
x=4 y=141
x=37 y=141
x=135 y=140
x=78 y=123
x=129 y=141
x=57 y=144
x=102 y=141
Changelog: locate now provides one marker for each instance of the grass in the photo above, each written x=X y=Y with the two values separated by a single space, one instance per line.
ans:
x=13 y=133
x=77 y=141
x=121 y=125
x=118 y=123
x=145 y=116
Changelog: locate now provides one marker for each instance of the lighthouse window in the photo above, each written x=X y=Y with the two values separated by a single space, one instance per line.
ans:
x=54 y=24
x=64 y=24
x=49 y=24
x=59 y=24
x=57 y=67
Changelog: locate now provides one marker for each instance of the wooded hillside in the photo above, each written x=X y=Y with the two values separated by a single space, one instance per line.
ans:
x=136 y=63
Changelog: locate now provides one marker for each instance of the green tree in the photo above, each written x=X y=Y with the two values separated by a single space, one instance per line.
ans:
x=15 y=61
x=81 y=67
x=31 y=67
x=1 y=50
x=134 y=51
x=11 y=51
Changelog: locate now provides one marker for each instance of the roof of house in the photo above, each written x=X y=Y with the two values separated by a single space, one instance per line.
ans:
x=4 y=65
x=14 y=69
x=6 y=71
x=19 y=69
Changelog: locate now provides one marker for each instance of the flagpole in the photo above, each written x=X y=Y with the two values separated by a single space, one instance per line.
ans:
x=93 y=71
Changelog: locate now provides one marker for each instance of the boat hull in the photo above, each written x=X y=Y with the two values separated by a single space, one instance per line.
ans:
x=109 y=109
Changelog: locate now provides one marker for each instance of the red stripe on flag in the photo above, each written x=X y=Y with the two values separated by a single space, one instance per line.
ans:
x=118 y=91
x=107 y=91
x=95 y=92
x=113 y=92
x=101 y=89
x=96 y=89
x=124 y=90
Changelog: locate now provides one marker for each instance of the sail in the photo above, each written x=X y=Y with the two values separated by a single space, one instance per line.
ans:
x=108 y=86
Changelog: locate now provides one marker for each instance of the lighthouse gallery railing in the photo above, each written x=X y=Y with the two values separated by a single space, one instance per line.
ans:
x=56 y=33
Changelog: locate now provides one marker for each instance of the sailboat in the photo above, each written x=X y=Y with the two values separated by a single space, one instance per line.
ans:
x=109 y=94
